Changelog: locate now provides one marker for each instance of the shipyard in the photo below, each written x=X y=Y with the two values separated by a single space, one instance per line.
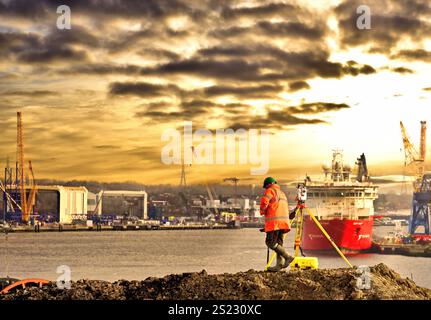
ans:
x=358 y=230
x=204 y=157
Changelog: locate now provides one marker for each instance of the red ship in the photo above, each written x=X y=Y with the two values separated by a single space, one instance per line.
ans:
x=343 y=206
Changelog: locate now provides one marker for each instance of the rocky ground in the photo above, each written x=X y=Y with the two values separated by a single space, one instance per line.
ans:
x=319 y=284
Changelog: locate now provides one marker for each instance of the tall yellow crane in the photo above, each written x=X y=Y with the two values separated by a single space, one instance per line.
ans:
x=26 y=204
x=20 y=161
x=412 y=158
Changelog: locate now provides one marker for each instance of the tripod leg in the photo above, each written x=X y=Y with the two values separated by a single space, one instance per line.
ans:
x=267 y=255
x=329 y=238
x=298 y=233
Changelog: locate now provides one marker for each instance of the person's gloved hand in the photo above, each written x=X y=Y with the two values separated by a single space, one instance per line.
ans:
x=292 y=214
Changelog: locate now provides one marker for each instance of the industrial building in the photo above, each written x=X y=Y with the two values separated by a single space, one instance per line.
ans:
x=121 y=203
x=93 y=203
x=61 y=203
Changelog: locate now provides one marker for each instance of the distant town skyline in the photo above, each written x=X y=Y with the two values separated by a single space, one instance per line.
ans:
x=96 y=99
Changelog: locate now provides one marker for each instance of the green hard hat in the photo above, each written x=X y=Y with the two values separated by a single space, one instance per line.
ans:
x=268 y=180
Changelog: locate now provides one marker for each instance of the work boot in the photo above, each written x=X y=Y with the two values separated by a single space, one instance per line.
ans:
x=279 y=264
x=286 y=257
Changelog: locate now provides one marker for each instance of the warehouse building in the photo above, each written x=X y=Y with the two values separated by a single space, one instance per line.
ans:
x=121 y=203
x=61 y=203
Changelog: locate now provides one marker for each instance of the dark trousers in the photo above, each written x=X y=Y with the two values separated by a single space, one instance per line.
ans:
x=273 y=238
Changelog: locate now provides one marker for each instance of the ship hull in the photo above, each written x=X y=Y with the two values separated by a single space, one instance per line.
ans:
x=348 y=235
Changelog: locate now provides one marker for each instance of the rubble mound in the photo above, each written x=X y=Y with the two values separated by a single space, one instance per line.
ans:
x=322 y=284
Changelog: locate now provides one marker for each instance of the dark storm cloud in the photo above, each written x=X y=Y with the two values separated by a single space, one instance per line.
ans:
x=263 y=91
x=318 y=107
x=198 y=104
x=191 y=109
x=248 y=65
x=24 y=8
x=402 y=70
x=133 y=40
x=278 y=65
x=298 y=85
x=282 y=118
x=273 y=120
x=15 y=42
x=419 y=54
x=268 y=10
x=288 y=116
x=35 y=93
x=295 y=29
x=80 y=36
x=118 y=8
x=168 y=116
x=277 y=29
x=160 y=53
x=235 y=69
x=142 y=89
x=391 y=22
x=354 y=69
x=51 y=54
x=33 y=48
x=102 y=69
x=237 y=115
x=231 y=108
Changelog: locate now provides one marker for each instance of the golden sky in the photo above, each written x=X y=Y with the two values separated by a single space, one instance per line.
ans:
x=97 y=98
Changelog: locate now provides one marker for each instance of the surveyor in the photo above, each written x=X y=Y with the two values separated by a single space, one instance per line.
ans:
x=276 y=211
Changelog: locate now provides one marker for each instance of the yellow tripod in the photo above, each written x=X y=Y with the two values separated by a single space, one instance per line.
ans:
x=298 y=234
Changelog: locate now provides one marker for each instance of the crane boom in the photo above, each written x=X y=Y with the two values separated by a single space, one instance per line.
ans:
x=20 y=160
x=412 y=158
x=423 y=140
x=32 y=196
x=207 y=186
x=235 y=181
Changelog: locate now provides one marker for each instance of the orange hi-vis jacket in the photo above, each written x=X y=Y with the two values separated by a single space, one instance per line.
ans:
x=275 y=208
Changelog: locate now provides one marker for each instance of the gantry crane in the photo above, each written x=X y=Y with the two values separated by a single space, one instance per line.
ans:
x=421 y=206
x=235 y=180
x=414 y=160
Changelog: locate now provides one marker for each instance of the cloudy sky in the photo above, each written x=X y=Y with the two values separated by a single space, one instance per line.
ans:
x=96 y=98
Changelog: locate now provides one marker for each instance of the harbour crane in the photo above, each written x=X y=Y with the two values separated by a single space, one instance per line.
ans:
x=32 y=196
x=421 y=205
x=208 y=188
x=235 y=180
x=21 y=183
x=413 y=159
x=20 y=167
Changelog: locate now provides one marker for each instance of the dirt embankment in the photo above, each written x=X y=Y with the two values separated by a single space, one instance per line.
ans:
x=310 y=284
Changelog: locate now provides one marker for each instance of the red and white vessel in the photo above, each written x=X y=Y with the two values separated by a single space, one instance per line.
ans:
x=343 y=206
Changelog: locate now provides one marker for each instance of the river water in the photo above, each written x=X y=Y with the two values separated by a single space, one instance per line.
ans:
x=136 y=255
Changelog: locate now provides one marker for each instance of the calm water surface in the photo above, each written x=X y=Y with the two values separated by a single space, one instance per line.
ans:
x=132 y=255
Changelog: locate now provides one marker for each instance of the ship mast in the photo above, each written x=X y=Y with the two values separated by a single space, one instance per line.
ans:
x=339 y=172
